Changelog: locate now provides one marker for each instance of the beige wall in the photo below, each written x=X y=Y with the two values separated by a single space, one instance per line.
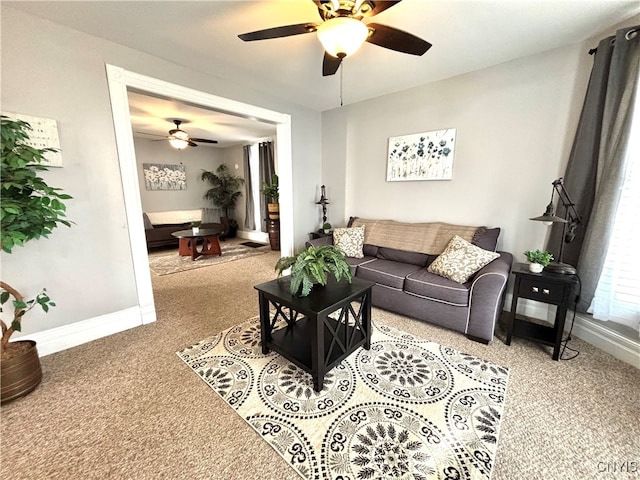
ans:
x=194 y=160
x=53 y=71
x=515 y=124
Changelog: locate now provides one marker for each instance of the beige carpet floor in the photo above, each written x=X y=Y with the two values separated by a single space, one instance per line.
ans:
x=125 y=407
x=168 y=262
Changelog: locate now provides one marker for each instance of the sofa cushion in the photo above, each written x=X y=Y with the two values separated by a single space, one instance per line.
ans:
x=486 y=238
x=350 y=241
x=429 y=285
x=428 y=238
x=403 y=256
x=370 y=250
x=386 y=272
x=354 y=263
x=460 y=260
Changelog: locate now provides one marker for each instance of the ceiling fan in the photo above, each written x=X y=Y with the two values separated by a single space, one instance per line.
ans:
x=179 y=139
x=342 y=31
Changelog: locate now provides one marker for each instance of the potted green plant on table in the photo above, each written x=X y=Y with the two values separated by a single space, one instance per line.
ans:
x=30 y=209
x=312 y=266
x=224 y=193
x=326 y=227
x=538 y=259
x=195 y=226
x=271 y=191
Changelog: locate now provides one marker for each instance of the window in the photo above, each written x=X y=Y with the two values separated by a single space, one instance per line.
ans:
x=617 y=296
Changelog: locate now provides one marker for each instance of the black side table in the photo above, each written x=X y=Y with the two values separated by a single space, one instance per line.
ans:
x=319 y=234
x=545 y=287
x=312 y=339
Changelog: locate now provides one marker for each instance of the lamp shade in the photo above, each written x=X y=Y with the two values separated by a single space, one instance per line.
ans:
x=342 y=36
x=549 y=216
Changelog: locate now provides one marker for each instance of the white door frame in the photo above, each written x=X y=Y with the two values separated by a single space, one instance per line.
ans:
x=119 y=80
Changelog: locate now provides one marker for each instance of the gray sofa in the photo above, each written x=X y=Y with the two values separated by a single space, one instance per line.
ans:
x=403 y=284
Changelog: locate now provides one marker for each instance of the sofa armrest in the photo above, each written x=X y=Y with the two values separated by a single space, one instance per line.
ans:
x=318 y=242
x=486 y=297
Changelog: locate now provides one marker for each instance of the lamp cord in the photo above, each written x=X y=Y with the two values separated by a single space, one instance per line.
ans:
x=566 y=340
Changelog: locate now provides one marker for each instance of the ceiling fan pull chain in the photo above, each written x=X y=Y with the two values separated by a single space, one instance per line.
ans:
x=341 y=73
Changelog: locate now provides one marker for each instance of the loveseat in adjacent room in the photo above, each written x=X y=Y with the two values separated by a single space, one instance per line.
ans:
x=158 y=226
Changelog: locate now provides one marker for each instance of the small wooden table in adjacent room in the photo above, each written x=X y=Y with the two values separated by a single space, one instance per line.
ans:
x=321 y=329
x=545 y=287
x=188 y=242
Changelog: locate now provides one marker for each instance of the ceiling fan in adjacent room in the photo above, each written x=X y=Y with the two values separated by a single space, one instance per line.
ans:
x=343 y=31
x=179 y=139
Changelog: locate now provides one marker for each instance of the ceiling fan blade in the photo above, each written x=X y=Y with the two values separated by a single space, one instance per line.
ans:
x=147 y=133
x=381 y=6
x=330 y=64
x=192 y=144
x=394 y=39
x=277 y=32
x=202 y=140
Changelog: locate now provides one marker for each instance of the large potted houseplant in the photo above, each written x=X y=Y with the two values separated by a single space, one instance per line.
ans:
x=312 y=267
x=224 y=193
x=30 y=209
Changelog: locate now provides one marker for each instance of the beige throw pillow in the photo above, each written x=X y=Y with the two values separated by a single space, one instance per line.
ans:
x=460 y=260
x=350 y=241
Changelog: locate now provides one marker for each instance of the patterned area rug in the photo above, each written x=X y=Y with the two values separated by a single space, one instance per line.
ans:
x=406 y=409
x=171 y=262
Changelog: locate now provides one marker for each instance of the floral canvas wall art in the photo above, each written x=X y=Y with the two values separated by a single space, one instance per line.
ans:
x=421 y=156
x=158 y=176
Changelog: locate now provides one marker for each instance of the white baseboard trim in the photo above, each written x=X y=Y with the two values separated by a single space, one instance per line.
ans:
x=72 y=335
x=261 y=237
x=591 y=331
x=595 y=333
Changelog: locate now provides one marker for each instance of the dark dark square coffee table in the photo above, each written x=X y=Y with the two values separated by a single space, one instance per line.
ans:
x=322 y=329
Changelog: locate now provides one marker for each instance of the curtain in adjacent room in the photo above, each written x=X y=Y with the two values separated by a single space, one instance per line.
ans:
x=249 y=210
x=267 y=169
x=599 y=157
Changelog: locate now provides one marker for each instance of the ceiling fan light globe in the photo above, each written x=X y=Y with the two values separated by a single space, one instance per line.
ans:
x=178 y=143
x=181 y=135
x=342 y=36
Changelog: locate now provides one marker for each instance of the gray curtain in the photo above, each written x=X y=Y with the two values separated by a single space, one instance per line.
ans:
x=596 y=168
x=266 y=171
x=249 y=209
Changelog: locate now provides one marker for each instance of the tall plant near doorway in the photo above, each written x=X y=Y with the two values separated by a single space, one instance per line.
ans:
x=29 y=210
x=224 y=193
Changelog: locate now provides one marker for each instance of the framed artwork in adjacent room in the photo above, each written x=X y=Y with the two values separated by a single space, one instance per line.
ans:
x=159 y=176
x=421 y=156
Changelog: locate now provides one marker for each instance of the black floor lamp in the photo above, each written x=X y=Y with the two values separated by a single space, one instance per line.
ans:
x=570 y=222
x=324 y=202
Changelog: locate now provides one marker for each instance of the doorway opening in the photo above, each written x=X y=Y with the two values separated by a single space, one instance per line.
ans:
x=119 y=81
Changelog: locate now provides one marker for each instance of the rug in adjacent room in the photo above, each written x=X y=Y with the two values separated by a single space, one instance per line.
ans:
x=171 y=262
x=407 y=408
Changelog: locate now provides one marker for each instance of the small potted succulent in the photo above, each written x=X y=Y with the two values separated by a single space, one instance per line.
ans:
x=538 y=259
x=326 y=227
x=312 y=266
